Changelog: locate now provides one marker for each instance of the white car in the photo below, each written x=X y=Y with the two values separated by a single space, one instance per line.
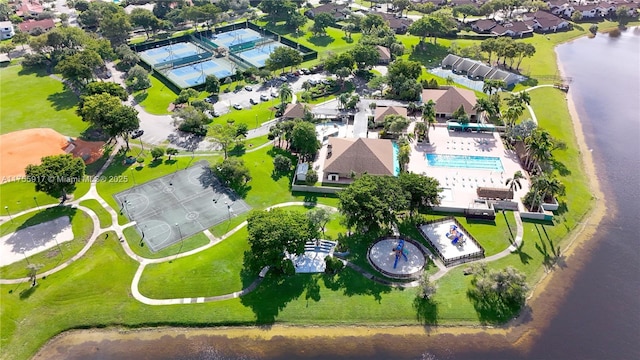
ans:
x=237 y=106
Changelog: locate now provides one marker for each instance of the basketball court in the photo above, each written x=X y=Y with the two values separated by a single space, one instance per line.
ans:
x=176 y=206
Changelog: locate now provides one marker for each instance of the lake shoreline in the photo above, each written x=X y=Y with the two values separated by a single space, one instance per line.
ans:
x=519 y=332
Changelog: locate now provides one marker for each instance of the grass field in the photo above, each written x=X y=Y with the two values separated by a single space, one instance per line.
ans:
x=156 y=99
x=101 y=212
x=81 y=226
x=29 y=97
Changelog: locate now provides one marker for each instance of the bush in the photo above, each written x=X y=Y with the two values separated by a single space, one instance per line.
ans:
x=312 y=177
x=333 y=265
x=593 y=29
x=194 y=126
x=157 y=152
x=33 y=60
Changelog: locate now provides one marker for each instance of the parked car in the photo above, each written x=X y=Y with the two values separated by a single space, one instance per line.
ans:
x=283 y=78
x=305 y=71
x=264 y=97
x=253 y=102
x=274 y=94
x=137 y=133
x=248 y=88
x=237 y=106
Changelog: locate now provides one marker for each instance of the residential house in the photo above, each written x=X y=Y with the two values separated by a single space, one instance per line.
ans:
x=6 y=30
x=296 y=111
x=448 y=100
x=516 y=29
x=348 y=156
x=483 y=26
x=385 y=54
x=32 y=26
x=29 y=9
x=383 y=111
x=339 y=11
x=546 y=22
x=476 y=70
x=397 y=24
x=589 y=11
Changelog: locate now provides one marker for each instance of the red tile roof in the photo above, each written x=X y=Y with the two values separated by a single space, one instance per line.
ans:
x=30 y=25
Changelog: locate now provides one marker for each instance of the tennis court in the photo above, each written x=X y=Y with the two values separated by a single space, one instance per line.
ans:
x=179 y=205
x=196 y=74
x=235 y=37
x=170 y=53
x=259 y=55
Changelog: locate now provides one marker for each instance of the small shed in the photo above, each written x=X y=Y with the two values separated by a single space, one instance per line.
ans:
x=301 y=171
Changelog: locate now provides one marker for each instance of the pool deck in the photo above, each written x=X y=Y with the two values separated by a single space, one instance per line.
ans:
x=464 y=182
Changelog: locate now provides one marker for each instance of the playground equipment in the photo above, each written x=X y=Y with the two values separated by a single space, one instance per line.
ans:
x=456 y=237
x=400 y=251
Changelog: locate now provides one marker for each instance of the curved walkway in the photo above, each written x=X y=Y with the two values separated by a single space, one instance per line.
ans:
x=533 y=114
x=97 y=231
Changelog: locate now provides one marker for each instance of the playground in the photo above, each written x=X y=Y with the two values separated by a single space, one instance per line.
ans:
x=452 y=241
x=397 y=257
x=176 y=206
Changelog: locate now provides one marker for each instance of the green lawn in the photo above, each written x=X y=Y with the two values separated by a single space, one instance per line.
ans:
x=157 y=98
x=32 y=99
x=139 y=247
x=215 y=271
x=253 y=116
x=81 y=225
x=334 y=41
x=22 y=195
x=103 y=214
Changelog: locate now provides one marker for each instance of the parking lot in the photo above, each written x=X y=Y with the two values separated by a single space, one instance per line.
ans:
x=260 y=92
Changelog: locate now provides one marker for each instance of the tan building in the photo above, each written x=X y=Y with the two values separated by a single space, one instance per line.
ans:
x=449 y=100
x=383 y=111
x=295 y=111
x=347 y=156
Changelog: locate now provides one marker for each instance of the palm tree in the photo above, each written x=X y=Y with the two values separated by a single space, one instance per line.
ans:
x=420 y=129
x=489 y=107
x=514 y=182
x=539 y=146
x=285 y=93
x=343 y=99
x=429 y=116
x=512 y=114
x=524 y=97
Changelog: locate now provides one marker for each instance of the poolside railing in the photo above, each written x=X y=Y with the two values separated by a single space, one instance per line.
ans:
x=458 y=259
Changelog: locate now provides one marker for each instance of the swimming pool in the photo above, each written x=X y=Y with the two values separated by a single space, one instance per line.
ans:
x=396 y=163
x=465 y=162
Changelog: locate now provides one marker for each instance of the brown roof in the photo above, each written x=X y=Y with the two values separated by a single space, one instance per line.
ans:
x=518 y=27
x=484 y=24
x=382 y=111
x=28 y=26
x=295 y=111
x=385 y=53
x=494 y=193
x=394 y=22
x=449 y=100
x=373 y=156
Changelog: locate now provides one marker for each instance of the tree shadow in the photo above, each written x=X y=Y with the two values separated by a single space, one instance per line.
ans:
x=426 y=311
x=237 y=150
x=428 y=54
x=140 y=97
x=353 y=283
x=530 y=82
x=321 y=41
x=552 y=255
x=560 y=167
x=39 y=71
x=63 y=100
x=26 y=293
x=273 y=295
x=155 y=163
x=524 y=257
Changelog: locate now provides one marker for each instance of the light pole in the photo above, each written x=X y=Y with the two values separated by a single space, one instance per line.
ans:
x=7 y=208
x=36 y=200
x=25 y=255
x=228 y=210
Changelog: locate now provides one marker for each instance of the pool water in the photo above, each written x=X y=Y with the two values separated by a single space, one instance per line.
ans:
x=396 y=163
x=465 y=162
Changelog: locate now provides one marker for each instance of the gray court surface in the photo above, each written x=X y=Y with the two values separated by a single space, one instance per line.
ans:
x=179 y=205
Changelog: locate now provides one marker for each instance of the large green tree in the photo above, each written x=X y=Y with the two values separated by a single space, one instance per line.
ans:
x=57 y=175
x=365 y=56
x=321 y=22
x=233 y=172
x=276 y=232
x=225 y=135
x=304 y=139
x=424 y=191
x=500 y=292
x=282 y=57
x=277 y=10
x=105 y=87
x=146 y=20
x=79 y=68
x=372 y=202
